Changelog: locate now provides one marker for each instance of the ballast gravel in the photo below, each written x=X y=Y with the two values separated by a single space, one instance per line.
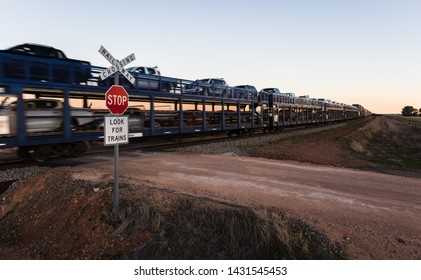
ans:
x=20 y=173
x=240 y=146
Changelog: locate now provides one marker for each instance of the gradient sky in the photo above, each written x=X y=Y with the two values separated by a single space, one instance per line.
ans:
x=353 y=51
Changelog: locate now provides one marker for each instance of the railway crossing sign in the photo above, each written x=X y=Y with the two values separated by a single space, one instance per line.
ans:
x=116 y=65
x=116 y=100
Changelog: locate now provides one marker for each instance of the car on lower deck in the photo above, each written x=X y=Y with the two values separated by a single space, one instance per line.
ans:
x=45 y=115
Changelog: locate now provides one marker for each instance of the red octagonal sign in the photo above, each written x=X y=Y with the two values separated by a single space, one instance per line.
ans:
x=117 y=100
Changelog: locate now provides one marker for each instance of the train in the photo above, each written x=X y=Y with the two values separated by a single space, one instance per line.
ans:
x=45 y=116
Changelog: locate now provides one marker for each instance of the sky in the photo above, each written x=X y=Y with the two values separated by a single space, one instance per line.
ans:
x=364 y=52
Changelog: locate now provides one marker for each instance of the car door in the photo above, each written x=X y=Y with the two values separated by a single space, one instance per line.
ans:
x=153 y=81
x=141 y=81
x=218 y=87
x=42 y=115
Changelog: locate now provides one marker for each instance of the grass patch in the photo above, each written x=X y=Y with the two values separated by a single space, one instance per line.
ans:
x=390 y=150
x=385 y=148
x=187 y=227
x=408 y=120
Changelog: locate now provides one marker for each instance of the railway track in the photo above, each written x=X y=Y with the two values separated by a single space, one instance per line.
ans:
x=148 y=145
x=11 y=160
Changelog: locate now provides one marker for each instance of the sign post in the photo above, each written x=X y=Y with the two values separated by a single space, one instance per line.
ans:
x=117 y=101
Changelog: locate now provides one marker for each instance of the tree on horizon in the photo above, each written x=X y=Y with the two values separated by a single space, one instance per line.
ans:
x=409 y=111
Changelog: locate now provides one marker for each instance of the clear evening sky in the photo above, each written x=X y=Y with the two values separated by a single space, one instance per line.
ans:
x=352 y=51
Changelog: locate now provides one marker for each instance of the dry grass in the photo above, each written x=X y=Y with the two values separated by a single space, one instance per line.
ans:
x=187 y=227
x=407 y=120
x=387 y=141
x=56 y=216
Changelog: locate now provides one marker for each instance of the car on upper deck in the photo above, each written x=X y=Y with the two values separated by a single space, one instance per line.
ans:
x=246 y=91
x=304 y=96
x=44 y=63
x=263 y=94
x=209 y=86
x=145 y=70
x=146 y=78
x=272 y=90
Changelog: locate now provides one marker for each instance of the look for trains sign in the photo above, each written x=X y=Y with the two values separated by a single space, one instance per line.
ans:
x=116 y=130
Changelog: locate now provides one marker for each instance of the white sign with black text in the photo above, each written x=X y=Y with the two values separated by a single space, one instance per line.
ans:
x=117 y=65
x=116 y=130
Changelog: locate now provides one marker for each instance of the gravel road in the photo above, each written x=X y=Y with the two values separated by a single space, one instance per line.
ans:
x=371 y=215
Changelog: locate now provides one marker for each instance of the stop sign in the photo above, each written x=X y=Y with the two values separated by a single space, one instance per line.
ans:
x=117 y=100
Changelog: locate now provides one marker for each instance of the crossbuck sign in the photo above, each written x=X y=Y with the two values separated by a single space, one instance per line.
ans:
x=116 y=65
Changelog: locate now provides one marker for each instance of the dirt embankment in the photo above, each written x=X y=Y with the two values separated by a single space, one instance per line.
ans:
x=67 y=214
x=388 y=142
x=377 y=144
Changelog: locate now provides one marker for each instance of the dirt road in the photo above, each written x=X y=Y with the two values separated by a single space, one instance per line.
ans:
x=371 y=215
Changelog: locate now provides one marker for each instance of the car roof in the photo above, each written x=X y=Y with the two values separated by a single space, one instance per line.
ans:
x=222 y=79
x=244 y=86
x=34 y=45
x=270 y=89
x=149 y=67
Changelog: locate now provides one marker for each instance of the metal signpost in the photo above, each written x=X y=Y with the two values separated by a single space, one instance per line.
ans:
x=117 y=101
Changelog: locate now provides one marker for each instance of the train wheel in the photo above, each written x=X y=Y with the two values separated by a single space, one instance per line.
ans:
x=42 y=153
x=73 y=125
x=79 y=149
x=23 y=152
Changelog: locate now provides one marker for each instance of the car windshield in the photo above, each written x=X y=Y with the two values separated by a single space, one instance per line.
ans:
x=36 y=50
x=270 y=90
x=153 y=71
x=136 y=69
x=13 y=104
x=22 y=49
